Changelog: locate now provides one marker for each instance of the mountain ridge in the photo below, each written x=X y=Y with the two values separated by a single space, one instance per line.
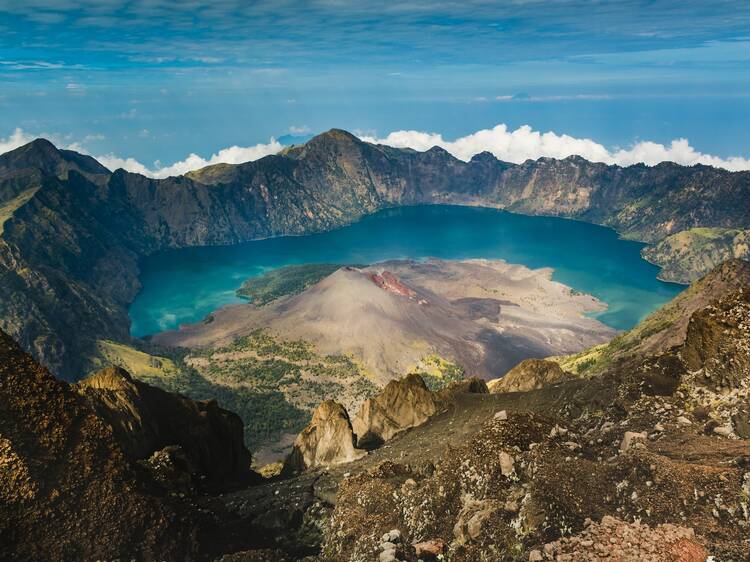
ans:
x=69 y=254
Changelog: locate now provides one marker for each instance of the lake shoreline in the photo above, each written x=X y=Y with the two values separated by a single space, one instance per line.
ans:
x=288 y=250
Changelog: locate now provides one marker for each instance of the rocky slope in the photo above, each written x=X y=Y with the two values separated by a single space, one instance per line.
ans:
x=664 y=328
x=654 y=449
x=112 y=469
x=72 y=232
x=332 y=438
x=67 y=490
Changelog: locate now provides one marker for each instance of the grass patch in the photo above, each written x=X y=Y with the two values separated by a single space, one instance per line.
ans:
x=139 y=364
x=437 y=372
x=10 y=207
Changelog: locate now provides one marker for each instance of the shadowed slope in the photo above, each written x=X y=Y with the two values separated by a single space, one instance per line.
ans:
x=67 y=491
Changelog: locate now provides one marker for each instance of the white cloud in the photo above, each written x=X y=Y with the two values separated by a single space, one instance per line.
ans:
x=564 y=97
x=231 y=155
x=524 y=143
x=207 y=60
x=516 y=146
x=301 y=130
x=17 y=138
x=38 y=65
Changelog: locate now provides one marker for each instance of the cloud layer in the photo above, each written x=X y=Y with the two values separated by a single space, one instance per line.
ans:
x=525 y=143
x=230 y=155
x=516 y=146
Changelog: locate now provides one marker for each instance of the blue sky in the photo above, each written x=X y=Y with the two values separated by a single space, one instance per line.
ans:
x=156 y=80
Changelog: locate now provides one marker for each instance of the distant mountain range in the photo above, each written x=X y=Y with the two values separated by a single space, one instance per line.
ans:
x=72 y=232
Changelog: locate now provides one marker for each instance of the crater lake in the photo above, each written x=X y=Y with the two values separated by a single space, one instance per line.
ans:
x=185 y=285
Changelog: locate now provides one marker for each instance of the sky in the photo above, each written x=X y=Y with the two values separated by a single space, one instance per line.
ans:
x=163 y=87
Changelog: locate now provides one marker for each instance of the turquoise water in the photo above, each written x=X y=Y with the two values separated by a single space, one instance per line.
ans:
x=182 y=286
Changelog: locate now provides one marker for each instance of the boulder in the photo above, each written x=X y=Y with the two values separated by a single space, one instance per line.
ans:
x=507 y=464
x=328 y=440
x=146 y=419
x=472 y=518
x=400 y=405
x=530 y=374
x=472 y=385
x=430 y=549
x=631 y=437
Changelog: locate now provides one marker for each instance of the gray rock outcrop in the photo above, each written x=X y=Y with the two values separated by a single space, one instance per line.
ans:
x=328 y=440
x=145 y=419
x=530 y=374
x=402 y=404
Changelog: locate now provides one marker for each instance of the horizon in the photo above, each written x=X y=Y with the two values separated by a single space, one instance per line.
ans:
x=158 y=88
x=159 y=174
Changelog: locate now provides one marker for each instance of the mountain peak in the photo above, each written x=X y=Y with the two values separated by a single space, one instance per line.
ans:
x=333 y=136
x=484 y=156
x=336 y=139
x=38 y=153
x=337 y=134
x=42 y=144
x=41 y=154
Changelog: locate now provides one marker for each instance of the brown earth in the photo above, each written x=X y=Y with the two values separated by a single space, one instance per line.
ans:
x=67 y=490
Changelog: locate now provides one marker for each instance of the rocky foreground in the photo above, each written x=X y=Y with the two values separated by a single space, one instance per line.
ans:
x=647 y=460
x=647 y=457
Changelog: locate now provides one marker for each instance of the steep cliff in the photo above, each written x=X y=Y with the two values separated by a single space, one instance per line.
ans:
x=146 y=419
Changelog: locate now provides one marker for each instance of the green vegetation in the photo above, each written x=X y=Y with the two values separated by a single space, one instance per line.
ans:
x=594 y=360
x=139 y=364
x=438 y=372
x=272 y=385
x=266 y=415
x=10 y=207
x=288 y=280
x=688 y=254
